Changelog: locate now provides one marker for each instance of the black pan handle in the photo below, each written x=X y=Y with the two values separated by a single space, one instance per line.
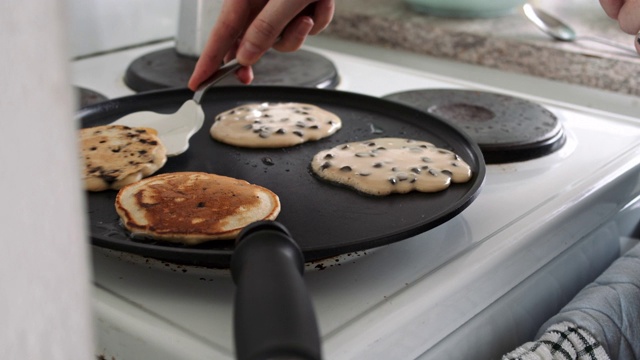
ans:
x=273 y=314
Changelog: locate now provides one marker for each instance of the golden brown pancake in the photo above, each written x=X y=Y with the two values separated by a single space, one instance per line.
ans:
x=391 y=165
x=271 y=125
x=116 y=155
x=193 y=207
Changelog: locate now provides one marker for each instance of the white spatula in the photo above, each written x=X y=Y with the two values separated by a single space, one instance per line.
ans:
x=176 y=129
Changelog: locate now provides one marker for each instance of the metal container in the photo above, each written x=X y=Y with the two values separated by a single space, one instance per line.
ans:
x=194 y=24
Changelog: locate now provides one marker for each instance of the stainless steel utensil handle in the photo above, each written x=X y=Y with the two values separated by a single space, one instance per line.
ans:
x=604 y=41
x=225 y=70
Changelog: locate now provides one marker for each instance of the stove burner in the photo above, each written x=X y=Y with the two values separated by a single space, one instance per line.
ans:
x=168 y=69
x=507 y=129
x=86 y=97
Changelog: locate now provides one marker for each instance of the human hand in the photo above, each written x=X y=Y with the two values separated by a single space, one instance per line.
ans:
x=627 y=12
x=246 y=29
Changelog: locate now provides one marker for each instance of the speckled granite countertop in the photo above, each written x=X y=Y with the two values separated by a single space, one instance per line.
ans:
x=510 y=43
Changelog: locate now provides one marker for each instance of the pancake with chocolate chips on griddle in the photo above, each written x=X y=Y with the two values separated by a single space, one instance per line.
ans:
x=116 y=155
x=391 y=165
x=272 y=125
x=193 y=207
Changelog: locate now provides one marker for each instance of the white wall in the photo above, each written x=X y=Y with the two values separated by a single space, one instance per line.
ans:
x=101 y=25
x=45 y=273
x=45 y=277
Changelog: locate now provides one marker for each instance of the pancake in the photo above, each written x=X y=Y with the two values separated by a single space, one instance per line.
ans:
x=272 y=125
x=391 y=165
x=116 y=155
x=193 y=207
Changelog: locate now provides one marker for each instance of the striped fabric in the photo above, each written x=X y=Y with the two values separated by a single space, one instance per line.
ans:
x=562 y=341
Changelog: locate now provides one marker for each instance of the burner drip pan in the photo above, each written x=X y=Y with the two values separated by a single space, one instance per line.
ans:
x=168 y=69
x=86 y=97
x=507 y=129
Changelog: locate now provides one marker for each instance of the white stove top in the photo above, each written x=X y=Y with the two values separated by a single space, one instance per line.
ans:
x=537 y=233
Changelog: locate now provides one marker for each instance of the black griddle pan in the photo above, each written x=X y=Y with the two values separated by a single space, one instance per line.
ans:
x=326 y=220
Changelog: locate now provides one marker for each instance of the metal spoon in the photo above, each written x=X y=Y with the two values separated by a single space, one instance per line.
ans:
x=175 y=130
x=561 y=31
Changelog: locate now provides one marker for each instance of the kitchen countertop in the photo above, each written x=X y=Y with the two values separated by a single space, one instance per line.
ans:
x=509 y=43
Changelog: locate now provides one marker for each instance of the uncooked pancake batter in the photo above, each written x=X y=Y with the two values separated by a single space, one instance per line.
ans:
x=391 y=165
x=270 y=125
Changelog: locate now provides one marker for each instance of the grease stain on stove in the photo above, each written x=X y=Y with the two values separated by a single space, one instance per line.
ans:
x=102 y=357
x=175 y=267
x=338 y=260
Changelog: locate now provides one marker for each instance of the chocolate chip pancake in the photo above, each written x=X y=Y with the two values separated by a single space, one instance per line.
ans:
x=391 y=165
x=271 y=125
x=193 y=207
x=116 y=155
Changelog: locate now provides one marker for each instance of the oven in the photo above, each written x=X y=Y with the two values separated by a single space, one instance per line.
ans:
x=541 y=228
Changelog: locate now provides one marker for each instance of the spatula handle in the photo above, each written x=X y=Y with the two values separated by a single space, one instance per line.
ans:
x=273 y=314
x=222 y=72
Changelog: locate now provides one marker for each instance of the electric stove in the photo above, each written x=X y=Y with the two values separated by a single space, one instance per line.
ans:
x=476 y=286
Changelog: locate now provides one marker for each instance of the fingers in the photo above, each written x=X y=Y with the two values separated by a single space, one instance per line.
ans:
x=316 y=17
x=323 y=14
x=627 y=12
x=245 y=75
x=612 y=7
x=629 y=17
x=268 y=25
x=294 y=35
x=233 y=18
x=259 y=25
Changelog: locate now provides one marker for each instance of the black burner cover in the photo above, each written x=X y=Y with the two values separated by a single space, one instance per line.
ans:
x=86 y=97
x=507 y=129
x=168 y=69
